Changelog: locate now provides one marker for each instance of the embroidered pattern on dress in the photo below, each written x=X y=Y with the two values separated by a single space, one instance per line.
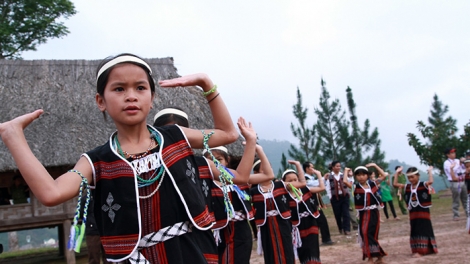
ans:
x=190 y=172
x=110 y=207
x=205 y=188
x=424 y=195
x=284 y=198
x=312 y=201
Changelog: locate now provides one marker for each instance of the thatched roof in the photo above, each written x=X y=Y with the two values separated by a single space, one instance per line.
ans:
x=71 y=123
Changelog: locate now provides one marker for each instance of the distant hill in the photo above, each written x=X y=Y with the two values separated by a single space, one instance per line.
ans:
x=275 y=148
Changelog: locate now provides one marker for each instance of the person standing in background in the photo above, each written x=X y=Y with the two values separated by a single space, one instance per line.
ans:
x=339 y=197
x=400 y=192
x=322 y=222
x=456 y=179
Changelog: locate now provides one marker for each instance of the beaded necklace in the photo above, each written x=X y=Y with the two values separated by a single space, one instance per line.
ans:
x=157 y=173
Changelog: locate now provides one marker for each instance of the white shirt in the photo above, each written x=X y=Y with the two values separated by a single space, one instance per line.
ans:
x=311 y=181
x=458 y=170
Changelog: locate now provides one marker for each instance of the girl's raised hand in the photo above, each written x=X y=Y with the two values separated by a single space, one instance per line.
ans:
x=19 y=123
x=199 y=79
x=246 y=129
x=430 y=169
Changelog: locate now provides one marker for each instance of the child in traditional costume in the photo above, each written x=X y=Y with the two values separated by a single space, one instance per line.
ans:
x=368 y=201
x=147 y=193
x=272 y=213
x=173 y=115
x=304 y=212
x=232 y=230
x=418 y=199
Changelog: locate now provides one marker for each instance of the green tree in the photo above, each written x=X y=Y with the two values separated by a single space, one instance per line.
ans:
x=361 y=142
x=28 y=23
x=331 y=127
x=306 y=135
x=437 y=136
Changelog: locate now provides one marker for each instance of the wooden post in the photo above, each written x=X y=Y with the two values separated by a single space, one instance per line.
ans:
x=64 y=232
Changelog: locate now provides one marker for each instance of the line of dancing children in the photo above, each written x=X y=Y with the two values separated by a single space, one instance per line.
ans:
x=157 y=202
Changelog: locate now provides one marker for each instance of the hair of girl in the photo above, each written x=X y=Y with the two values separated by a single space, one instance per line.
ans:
x=286 y=172
x=171 y=115
x=105 y=67
x=256 y=165
x=234 y=161
x=412 y=171
x=361 y=169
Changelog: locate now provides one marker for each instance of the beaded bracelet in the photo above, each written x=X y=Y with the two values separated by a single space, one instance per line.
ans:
x=77 y=233
x=212 y=99
x=214 y=88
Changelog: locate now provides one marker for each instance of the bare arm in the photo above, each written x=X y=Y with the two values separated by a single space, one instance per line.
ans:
x=395 y=178
x=224 y=130
x=430 y=178
x=381 y=175
x=49 y=192
x=321 y=186
x=267 y=173
x=300 y=173
x=345 y=177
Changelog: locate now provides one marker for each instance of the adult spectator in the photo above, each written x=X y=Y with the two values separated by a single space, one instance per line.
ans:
x=339 y=197
x=312 y=181
x=455 y=173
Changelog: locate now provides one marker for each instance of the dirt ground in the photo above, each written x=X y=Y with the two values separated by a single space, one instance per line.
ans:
x=453 y=241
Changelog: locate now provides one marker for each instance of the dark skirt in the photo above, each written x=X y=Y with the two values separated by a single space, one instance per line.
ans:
x=309 y=252
x=238 y=243
x=369 y=232
x=422 y=238
x=276 y=239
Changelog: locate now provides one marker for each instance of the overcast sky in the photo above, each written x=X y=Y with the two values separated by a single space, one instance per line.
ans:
x=395 y=55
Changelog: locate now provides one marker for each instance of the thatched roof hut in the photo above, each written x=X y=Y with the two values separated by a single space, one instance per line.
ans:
x=71 y=123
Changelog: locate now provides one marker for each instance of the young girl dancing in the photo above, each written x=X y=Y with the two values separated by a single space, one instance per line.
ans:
x=146 y=200
x=418 y=199
x=272 y=213
x=234 y=232
x=304 y=213
x=217 y=209
x=367 y=201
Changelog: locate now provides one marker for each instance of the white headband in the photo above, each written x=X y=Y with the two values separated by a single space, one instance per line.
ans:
x=361 y=168
x=170 y=111
x=287 y=172
x=413 y=173
x=255 y=164
x=466 y=161
x=121 y=59
x=221 y=148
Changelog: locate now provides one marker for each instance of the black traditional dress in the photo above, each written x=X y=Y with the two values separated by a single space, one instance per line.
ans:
x=422 y=240
x=304 y=214
x=235 y=240
x=152 y=224
x=272 y=215
x=367 y=201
